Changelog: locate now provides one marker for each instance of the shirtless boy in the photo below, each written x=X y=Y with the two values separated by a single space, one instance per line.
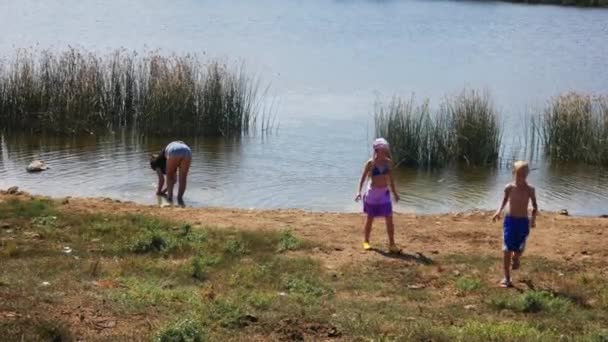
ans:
x=517 y=225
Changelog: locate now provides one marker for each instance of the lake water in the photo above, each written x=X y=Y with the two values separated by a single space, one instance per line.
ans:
x=327 y=63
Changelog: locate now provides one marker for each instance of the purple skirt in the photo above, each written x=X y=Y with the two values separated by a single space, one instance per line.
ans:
x=377 y=202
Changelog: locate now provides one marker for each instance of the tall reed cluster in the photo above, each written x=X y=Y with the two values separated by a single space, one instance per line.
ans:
x=464 y=129
x=76 y=91
x=574 y=128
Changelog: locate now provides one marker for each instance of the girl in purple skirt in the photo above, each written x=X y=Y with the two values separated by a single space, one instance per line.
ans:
x=377 y=197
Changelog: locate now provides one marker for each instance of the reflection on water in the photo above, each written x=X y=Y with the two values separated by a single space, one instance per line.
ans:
x=327 y=62
x=282 y=171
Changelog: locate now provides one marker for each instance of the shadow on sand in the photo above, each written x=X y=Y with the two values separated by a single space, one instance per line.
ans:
x=417 y=258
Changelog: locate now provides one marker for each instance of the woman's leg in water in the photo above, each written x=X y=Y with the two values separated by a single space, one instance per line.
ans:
x=172 y=165
x=184 y=167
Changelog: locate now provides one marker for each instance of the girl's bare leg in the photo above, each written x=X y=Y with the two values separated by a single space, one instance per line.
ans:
x=367 y=227
x=390 y=230
x=184 y=167
x=172 y=164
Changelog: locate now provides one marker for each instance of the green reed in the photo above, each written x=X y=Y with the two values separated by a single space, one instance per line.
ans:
x=465 y=129
x=472 y=123
x=574 y=128
x=75 y=91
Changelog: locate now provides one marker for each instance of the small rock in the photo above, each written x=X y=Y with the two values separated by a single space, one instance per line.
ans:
x=105 y=324
x=45 y=283
x=32 y=235
x=67 y=250
x=338 y=249
x=316 y=249
x=456 y=273
x=470 y=307
x=37 y=166
x=333 y=332
x=8 y=231
x=65 y=201
x=563 y=212
x=250 y=318
x=434 y=252
x=282 y=294
x=416 y=286
x=13 y=190
x=585 y=253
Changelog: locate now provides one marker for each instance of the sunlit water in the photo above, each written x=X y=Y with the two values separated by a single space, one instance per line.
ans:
x=327 y=63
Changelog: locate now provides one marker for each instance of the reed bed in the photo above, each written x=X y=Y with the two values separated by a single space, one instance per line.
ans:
x=77 y=91
x=574 y=128
x=464 y=129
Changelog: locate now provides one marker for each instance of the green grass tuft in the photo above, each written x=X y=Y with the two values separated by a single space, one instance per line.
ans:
x=288 y=242
x=466 y=284
x=186 y=330
x=537 y=301
x=153 y=241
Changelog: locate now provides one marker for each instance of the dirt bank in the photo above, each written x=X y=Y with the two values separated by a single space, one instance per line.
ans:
x=556 y=237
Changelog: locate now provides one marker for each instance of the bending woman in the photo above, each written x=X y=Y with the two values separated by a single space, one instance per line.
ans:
x=377 y=198
x=176 y=155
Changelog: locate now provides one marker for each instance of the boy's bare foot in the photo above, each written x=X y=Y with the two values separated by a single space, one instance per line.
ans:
x=181 y=202
x=506 y=283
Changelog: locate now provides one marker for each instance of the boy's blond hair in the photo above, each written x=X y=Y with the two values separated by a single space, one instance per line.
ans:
x=520 y=164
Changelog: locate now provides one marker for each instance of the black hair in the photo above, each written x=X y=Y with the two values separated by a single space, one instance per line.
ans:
x=158 y=161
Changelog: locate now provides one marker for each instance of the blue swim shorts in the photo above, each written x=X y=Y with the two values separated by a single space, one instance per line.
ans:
x=516 y=230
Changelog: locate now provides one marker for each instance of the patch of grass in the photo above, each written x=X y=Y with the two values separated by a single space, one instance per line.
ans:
x=235 y=247
x=227 y=314
x=466 y=284
x=306 y=286
x=153 y=241
x=186 y=330
x=138 y=294
x=16 y=208
x=35 y=330
x=261 y=300
x=537 y=301
x=533 y=302
x=251 y=291
x=288 y=242
x=511 y=331
x=53 y=331
x=202 y=264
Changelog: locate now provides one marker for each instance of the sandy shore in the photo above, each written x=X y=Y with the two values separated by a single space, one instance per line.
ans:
x=556 y=237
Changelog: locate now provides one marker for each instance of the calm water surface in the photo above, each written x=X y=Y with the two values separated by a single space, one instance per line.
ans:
x=327 y=63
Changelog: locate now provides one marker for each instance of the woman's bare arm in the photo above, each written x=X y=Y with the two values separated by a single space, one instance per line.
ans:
x=161 y=182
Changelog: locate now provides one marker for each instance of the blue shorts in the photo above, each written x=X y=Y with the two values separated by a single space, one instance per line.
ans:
x=178 y=149
x=516 y=230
